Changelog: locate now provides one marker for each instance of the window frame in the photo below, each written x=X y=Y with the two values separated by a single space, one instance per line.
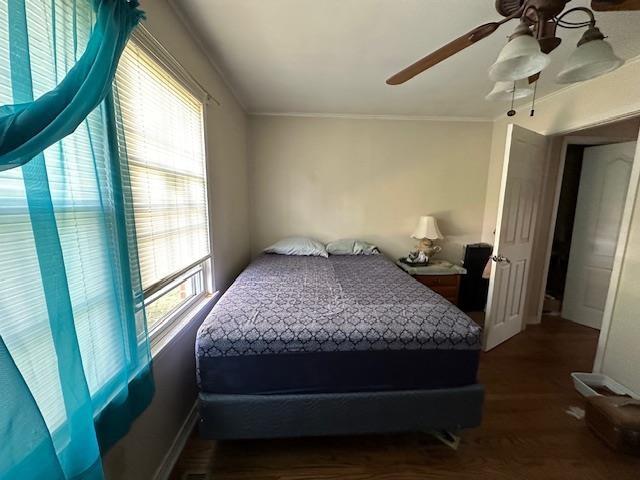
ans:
x=169 y=325
x=175 y=316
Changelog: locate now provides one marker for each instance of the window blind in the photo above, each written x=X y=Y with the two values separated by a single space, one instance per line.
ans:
x=73 y=168
x=162 y=132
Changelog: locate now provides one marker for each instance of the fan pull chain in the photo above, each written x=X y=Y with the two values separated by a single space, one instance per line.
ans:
x=533 y=103
x=512 y=112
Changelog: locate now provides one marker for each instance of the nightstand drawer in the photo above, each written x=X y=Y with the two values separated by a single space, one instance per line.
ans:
x=447 y=292
x=438 y=280
x=447 y=286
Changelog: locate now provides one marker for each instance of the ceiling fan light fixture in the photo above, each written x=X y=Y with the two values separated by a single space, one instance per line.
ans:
x=593 y=57
x=520 y=58
x=504 y=91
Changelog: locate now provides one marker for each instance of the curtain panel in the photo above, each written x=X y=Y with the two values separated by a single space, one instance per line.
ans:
x=28 y=127
x=75 y=363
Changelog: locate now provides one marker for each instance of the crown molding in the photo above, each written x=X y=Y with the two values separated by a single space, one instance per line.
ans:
x=353 y=116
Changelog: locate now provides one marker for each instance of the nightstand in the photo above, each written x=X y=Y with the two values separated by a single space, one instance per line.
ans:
x=440 y=276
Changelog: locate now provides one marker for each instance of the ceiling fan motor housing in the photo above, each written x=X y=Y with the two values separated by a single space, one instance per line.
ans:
x=508 y=7
x=548 y=8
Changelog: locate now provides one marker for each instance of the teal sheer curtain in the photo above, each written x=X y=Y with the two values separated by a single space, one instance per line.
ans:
x=27 y=127
x=75 y=365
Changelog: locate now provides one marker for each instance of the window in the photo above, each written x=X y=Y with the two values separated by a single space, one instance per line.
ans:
x=162 y=132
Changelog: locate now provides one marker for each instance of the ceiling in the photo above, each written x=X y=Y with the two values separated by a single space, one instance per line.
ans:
x=333 y=56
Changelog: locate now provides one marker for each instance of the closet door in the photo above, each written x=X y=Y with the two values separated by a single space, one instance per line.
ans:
x=604 y=182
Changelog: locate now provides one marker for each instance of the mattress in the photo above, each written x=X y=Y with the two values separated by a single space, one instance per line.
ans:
x=294 y=324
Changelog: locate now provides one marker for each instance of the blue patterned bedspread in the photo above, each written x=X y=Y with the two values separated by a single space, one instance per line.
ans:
x=292 y=304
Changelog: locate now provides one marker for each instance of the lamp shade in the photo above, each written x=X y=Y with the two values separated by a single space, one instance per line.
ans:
x=520 y=58
x=589 y=60
x=505 y=90
x=427 y=228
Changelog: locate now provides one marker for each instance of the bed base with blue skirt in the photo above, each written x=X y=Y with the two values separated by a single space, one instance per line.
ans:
x=228 y=416
x=310 y=346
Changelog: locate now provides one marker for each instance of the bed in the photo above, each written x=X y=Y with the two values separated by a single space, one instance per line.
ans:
x=302 y=346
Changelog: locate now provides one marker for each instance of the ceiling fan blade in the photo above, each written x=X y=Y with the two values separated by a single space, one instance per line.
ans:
x=445 y=52
x=615 y=5
x=534 y=78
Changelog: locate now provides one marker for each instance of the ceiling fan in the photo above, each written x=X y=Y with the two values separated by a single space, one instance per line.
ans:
x=526 y=53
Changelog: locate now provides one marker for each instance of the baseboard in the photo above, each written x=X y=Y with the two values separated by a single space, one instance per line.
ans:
x=532 y=320
x=168 y=462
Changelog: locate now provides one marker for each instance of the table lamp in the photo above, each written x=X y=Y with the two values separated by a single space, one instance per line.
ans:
x=426 y=231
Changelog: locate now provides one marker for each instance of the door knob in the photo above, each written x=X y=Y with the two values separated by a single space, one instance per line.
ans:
x=500 y=258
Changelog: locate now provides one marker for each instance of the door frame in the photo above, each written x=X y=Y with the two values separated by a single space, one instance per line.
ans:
x=623 y=238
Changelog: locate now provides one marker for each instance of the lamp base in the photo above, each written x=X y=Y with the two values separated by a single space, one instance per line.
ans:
x=426 y=247
x=416 y=259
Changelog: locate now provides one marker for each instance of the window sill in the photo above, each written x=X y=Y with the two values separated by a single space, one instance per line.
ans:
x=195 y=313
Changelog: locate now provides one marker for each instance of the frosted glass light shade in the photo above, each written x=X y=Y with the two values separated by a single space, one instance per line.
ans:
x=589 y=60
x=520 y=58
x=427 y=228
x=505 y=91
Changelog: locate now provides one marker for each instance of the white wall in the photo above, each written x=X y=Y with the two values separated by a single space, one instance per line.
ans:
x=622 y=353
x=138 y=455
x=333 y=178
x=614 y=95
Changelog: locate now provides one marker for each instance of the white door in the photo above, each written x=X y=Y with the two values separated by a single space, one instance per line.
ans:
x=604 y=182
x=522 y=176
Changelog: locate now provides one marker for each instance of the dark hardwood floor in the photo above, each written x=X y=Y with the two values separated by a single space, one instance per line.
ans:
x=525 y=433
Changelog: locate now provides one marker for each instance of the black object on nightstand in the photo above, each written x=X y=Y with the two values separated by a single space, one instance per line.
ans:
x=474 y=288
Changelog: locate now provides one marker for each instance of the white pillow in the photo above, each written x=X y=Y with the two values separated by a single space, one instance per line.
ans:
x=351 y=247
x=298 y=246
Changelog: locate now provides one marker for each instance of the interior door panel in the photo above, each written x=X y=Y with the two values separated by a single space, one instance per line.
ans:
x=604 y=182
x=523 y=173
